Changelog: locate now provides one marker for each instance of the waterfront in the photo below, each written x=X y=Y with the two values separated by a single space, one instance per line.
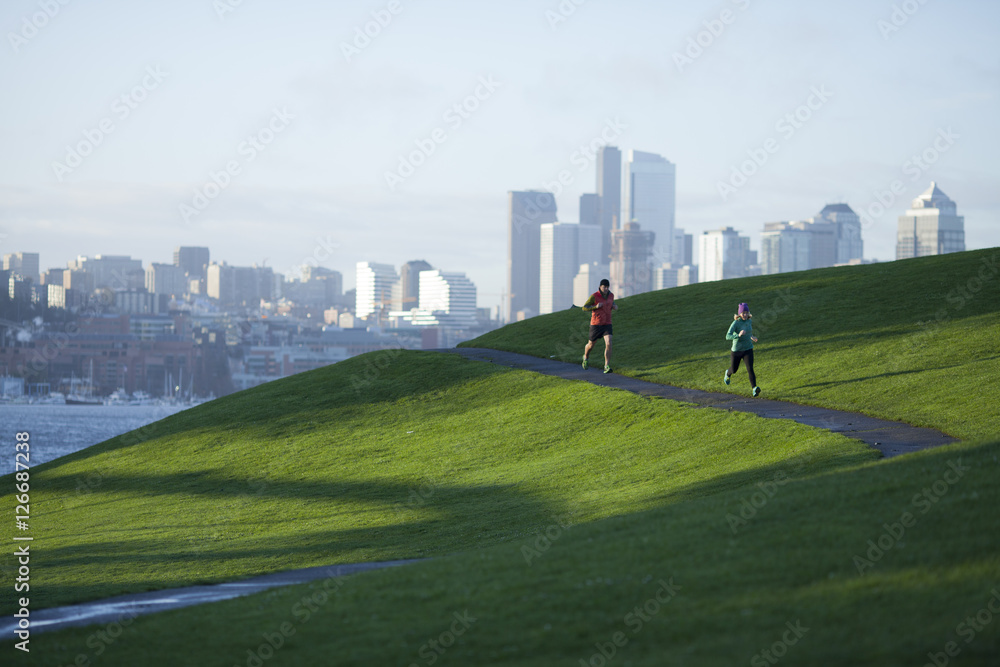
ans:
x=58 y=430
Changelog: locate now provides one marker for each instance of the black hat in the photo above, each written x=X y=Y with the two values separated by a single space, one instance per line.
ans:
x=605 y=281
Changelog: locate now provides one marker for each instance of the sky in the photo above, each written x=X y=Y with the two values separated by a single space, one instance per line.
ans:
x=284 y=133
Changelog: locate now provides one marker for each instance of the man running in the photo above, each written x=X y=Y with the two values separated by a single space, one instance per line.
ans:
x=600 y=304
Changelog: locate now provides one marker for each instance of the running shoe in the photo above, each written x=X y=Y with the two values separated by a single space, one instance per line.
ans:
x=585 y=363
x=607 y=369
x=756 y=391
x=726 y=377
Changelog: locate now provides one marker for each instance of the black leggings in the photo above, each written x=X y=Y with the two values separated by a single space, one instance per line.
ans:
x=747 y=356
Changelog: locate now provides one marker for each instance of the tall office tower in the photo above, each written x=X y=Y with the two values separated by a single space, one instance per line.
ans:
x=631 y=250
x=590 y=209
x=785 y=247
x=650 y=195
x=373 y=288
x=526 y=213
x=560 y=260
x=849 y=243
x=193 y=260
x=588 y=279
x=930 y=227
x=24 y=264
x=724 y=254
x=822 y=241
x=220 y=280
x=166 y=279
x=447 y=299
x=407 y=296
x=609 y=194
x=683 y=248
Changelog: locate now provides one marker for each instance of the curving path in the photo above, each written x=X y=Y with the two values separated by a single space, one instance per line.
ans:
x=890 y=438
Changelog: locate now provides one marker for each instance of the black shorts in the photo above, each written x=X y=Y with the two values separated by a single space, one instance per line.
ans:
x=599 y=331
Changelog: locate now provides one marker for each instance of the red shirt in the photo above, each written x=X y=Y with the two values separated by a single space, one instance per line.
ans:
x=602 y=314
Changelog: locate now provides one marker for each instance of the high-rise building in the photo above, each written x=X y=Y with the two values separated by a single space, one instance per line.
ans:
x=683 y=248
x=240 y=285
x=193 y=260
x=931 y=226
x=373 y=285
x=631 y=250
x=447 y=299
x=590 y=209
x=24 y=264
x=650 y=196
x=850 y=247
x=526 y=213
x=609 y=193
x=407 y=296
x=559 y=263
x=785 y=247
x=166 y=279
x=724 y=254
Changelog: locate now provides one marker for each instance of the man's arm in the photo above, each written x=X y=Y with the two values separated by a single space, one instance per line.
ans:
x=589 y=305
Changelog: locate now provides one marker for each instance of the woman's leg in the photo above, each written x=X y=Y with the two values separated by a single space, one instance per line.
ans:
x=749 y=361
x=734 y=363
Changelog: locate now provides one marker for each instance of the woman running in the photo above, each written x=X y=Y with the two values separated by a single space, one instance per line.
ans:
x=741 y=333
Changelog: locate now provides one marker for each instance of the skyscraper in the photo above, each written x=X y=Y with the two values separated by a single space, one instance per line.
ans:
x=930 y=227
x=24 y=264
x=407 y=295
x=373 y=288
x=631 y=249
x=590 y=209
x=723 y=254
x=526 y=213
x=785 y=247
x=849 y=244
x=609 y=193
x=447 y=298
x=650 y=196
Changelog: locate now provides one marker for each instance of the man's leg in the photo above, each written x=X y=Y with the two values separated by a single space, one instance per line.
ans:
x=607 y=349
x=586 y=353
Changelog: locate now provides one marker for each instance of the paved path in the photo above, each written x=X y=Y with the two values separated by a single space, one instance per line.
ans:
x=890 y=438
x=123 y=608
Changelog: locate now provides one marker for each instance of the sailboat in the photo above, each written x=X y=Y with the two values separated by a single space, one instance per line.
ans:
x=86 y=397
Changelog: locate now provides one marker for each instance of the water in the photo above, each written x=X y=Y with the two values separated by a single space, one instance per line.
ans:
x=58 y=430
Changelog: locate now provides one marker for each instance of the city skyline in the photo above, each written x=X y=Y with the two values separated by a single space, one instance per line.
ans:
x=286 y=133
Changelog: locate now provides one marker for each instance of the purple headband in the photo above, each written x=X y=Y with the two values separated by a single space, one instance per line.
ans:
x=744 y=308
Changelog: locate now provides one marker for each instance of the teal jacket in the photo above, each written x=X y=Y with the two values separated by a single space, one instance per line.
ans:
x=741 y=343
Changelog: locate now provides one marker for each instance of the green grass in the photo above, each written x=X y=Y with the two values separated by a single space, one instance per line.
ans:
x=435 y=455
x=406 y=454
x=915 y=340
x=793 y=562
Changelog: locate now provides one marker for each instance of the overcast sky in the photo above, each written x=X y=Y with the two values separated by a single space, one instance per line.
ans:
x=116 y=114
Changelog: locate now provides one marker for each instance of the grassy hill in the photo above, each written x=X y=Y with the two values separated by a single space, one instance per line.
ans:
x=554 y=509
x=912 y=340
